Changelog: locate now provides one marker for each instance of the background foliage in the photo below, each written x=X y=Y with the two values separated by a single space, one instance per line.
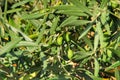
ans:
x=59 y=39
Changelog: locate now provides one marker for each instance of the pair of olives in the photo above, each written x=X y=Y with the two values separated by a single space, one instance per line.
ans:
x=60 y=41
x=60 y=38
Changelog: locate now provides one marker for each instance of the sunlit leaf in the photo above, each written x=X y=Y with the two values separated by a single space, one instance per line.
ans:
x=108 y=28
x=32 y=15
x=26 y=43
x=101 y=35
x=13 y=10
x=96 y=70
x=96 y=41
x=78 y=22
x=73 y=22
x=72 y=12
x=103 y=17
x=2 y=31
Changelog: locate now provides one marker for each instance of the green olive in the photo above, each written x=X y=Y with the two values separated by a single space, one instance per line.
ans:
x=67 y=36
x=69 y=53
x=59 y=40
x=109 y=53
x=114 y=4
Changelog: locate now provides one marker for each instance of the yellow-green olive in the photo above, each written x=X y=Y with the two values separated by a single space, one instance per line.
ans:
x=114 y=4
x=59 y=40
x=109 y=53
x=67 y=36
x=69 y=53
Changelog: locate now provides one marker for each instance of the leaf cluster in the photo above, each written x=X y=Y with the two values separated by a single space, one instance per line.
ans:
x=59 y=39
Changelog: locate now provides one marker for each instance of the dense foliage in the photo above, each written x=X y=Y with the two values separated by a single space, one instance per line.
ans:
x=59 y=39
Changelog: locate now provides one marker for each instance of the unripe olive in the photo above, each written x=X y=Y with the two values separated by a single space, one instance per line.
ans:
x=33 y=75
x=69 y=53
x=67 y=36
x=109 y=53
x=59 y=40
x=114 y=4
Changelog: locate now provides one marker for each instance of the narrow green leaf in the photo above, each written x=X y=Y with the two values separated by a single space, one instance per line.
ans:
x=92 y=76
x=101 y=35
x=32 y=15
x=117 y=45
x=113 y=66
x=107 y=27
x=72 y=12
x=81 y=6
x=13 y=10
x=96 y=70
x=104 y=3
x=2 y=31
x=20 y=3
x=67 y=21
x=1 y=12
x=78 y=22
x=112 y=13
x=54 y=25
x=9 y=45
x=66 y=7
x=117 y=74
x=85 y=31
x=5 y=9
x=26 y=43
x=81 y=55
x=103 y=17
x=96 y=41
x=71 y=21
x=45 y=2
